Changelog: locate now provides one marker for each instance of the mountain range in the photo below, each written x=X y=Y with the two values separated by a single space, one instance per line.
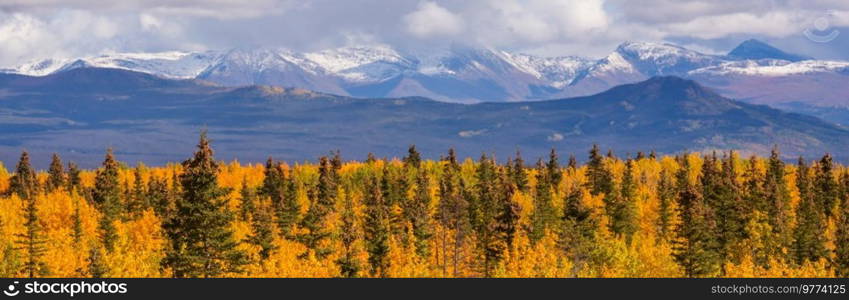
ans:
x=753 y=72
x=82 y=111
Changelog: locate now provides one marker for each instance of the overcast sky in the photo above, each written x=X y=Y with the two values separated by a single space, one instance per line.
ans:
x=31 y=29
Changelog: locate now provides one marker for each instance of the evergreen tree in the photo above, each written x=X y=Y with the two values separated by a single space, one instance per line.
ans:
x=107 y=197
x=272 y=185
x=696 y=248
x=24 y=182
x=841 y=243
x=809 y=234
x=349 y=233
x=623 y=208
x=777 y=198
x=394 y=186
x=419 y=215
x=518 y=173
x=97 y=268
x=377 y=228
x=137 y=202
x=666 y=195
x=262 y=231
x=579 y=228
x=413 y=158
x=55 y=174
x=552 y=169
x=732 y=213
x=599 y=179
x=32 y=242
x=321 y=204
x=573 y=163
x=826 y=189
x=161 y=197
x=76 y=226
x=247 y=199
x=11 y=264
x=289 y=211
x=755 y=187
x=483 y=211
x=452 y=211
x=74 y=180
x=328 y=180
x=500 y=230
x=481 y=205
x=202 y=242
x=543 y=215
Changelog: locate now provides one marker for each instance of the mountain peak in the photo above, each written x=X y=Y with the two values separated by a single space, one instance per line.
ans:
x=756 y=49
x=672 y=91
x=672 y=84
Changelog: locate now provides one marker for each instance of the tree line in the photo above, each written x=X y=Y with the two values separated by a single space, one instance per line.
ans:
x=689 y=215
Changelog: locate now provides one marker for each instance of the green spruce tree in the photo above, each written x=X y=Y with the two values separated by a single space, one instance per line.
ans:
x=696 y=247
x=377 y=228
x=841 y=243
x=826 y=189
x=452 y=213
x=74 y=180
x=809 y=234
x=322 y=203
x=24 y=182
x=623 y=208
x=599 y=178
x=349 y=234
x=518 y=174
x=543 y=215
x=413 y=158
x=201 y=238
x=55 y=174
x=262 y=231
x=247 y=200
x=107 y=197
x=32 y=242
x=288 y=212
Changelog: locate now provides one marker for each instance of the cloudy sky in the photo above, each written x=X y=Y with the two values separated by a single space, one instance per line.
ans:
x=31 y=29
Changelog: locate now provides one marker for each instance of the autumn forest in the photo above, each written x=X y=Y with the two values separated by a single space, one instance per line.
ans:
x=690 y=215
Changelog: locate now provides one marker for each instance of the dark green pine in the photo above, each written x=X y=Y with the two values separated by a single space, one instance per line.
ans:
x=202 y=241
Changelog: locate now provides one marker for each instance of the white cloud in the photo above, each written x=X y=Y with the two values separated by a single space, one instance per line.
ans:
x=39 y=28
x=432 y=20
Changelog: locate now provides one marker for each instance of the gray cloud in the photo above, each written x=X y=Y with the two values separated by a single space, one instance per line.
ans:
x=38 y=28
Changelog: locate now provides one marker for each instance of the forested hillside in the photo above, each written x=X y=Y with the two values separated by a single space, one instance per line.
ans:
x=690 y=215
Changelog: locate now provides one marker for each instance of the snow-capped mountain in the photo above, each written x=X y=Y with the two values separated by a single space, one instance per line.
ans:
x=174 y=64
x=464 y=74
x=37 y=67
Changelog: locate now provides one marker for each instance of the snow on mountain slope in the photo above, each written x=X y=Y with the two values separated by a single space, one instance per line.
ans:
x=459 y=73
x=557 y=71
x=37 y=67
x=172 y=64
x=361 y=64
x=664 y=59
x=268 y=66
x=773 y=67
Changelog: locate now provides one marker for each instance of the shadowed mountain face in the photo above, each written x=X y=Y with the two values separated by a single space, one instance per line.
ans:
x=81 y=112
x=755 y=49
